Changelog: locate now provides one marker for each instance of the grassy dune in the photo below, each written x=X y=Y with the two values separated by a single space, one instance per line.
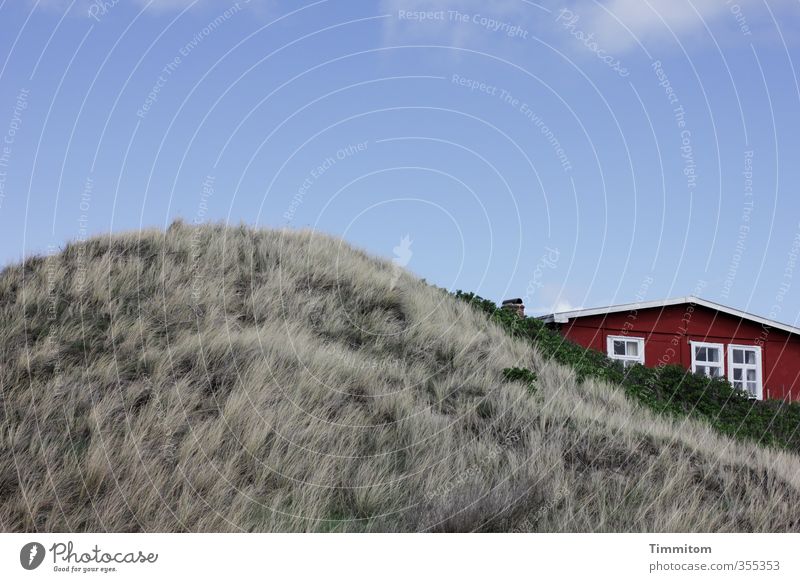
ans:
x=226 y=379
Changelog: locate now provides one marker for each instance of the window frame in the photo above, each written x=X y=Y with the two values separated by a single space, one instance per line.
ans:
x=758 y=366
x=721 y=347
x=627 y=338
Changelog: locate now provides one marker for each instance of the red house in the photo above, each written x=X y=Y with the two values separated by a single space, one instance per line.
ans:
x=755 y=354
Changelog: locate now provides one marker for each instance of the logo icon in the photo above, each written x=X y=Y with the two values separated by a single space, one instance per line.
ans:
x=31 y=555
x=402 y=257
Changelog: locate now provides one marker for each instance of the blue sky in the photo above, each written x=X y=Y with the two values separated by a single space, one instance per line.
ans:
x=574 y=153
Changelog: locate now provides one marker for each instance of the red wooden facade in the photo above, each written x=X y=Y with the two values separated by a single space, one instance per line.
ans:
x=758 y=355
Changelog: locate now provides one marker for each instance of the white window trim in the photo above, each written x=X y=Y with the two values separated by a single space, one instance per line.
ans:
x=610 y=348
x=759 y=375
x=721 y=347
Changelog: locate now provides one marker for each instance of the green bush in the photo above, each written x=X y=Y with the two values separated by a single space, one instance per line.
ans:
x=667 y=390
x=521 y=375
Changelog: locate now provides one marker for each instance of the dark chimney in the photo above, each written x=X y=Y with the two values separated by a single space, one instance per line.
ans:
x=515 y=305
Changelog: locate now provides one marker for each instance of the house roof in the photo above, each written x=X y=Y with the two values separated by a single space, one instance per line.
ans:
x=565 y=316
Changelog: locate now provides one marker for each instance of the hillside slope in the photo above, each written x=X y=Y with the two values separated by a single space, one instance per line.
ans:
x=227 y=379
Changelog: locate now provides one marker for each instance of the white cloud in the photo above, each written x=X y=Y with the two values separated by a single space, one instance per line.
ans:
x=621 y=24
x=558 y=306
x=564 y=305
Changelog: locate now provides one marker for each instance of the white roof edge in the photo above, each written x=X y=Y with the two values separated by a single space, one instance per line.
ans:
x=565 y=316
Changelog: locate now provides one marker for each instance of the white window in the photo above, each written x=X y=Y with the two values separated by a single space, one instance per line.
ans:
x=628 y=350
x=707 y=359
x=744 y=369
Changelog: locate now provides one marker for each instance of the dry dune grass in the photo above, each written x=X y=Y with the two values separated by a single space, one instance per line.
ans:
x=227 y=379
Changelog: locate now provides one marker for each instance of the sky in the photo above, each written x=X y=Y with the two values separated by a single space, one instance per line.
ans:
x=575 y=154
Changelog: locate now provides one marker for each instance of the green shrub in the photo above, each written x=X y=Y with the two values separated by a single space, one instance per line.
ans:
x=525 y=375
x=669 y=390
